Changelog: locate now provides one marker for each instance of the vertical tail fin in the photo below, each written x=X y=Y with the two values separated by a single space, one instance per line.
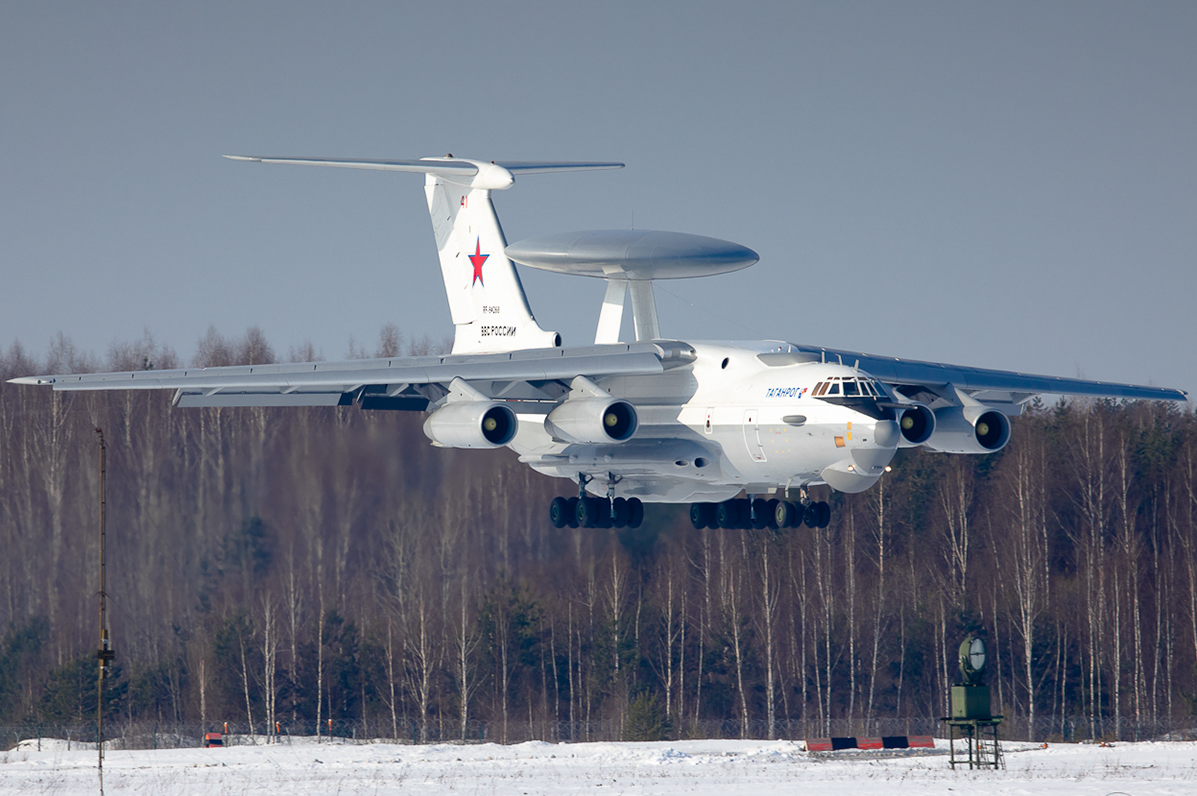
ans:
x=486 y=299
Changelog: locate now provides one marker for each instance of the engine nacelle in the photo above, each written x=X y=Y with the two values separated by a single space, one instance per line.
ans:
x=971 y=429
x=472 y=424
x=917 y=423
x=592 y=421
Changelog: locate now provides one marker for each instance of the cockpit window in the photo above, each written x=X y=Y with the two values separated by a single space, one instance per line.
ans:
x=852 y=388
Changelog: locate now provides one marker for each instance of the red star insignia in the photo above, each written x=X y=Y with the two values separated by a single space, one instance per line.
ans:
x=478 y=258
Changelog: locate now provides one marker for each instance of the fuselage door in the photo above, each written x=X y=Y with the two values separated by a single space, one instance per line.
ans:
x=752 y=435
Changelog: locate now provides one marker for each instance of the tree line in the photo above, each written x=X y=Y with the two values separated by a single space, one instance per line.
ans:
x=304 y=570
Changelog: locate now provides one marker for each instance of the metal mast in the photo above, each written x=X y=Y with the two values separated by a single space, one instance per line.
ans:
x=105 y=653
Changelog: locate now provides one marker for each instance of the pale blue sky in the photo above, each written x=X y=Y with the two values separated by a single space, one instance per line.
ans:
x=1008 y=185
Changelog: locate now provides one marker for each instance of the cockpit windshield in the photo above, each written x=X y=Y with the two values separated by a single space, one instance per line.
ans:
x=849 y=387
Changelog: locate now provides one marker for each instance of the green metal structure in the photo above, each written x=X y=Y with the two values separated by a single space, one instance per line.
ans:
x=972 y=716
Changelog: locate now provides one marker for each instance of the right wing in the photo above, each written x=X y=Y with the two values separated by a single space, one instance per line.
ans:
x=409 y=383
x=913 y=377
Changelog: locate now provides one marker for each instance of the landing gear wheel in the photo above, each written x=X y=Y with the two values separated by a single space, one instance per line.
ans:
x=759 y=517
x=602 y=513
x=702 y=515
x=559 y=512
x=771 y=514
x=824 y=514
x=727 y=514
x=587 y=512
x=571 y=512
x=745 y=514
x=635 y=512
x=620 y=509
x=812 y=515
x=786 y=515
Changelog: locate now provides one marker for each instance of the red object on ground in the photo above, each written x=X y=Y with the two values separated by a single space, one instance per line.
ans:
x=213 y=739
x=886 y=742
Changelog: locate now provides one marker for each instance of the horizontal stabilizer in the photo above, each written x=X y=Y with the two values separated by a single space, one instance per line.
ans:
x=446 y=167
x=439 y=166
x=530 y=167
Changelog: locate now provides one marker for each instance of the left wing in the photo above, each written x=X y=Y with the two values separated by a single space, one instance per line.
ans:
x=393 y=383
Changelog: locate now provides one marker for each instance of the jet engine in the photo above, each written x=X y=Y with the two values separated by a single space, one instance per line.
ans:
x=917 y=423
x=969 y=429
x=471 y=424
x=592 y=421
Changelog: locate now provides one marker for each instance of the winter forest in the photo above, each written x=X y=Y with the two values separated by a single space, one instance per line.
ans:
x=326 y=570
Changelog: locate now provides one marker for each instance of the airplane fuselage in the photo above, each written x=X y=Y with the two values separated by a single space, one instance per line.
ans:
x=738 y=417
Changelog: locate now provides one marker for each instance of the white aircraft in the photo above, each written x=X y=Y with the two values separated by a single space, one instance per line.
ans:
x=653 y=420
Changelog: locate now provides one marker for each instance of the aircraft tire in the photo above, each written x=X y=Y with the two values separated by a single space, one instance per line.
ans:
x=571 y=512
x=635 y=512
x=824 y=514
x=558 y=512
x=700 y=515
x=587 y=512
x=602 y=513
x=622 y=515
x=759 y=516
x=771 y=514
x=727 y=514
x=785 y=515
x=811 y=516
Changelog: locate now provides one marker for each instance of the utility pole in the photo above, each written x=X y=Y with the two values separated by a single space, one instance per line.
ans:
x=105 y=653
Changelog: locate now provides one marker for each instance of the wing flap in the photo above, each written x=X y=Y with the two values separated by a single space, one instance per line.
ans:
x=222 y=399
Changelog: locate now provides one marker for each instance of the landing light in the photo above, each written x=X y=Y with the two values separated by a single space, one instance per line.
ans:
x=888 y=468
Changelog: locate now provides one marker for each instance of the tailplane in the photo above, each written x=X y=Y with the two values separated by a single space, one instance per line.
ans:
x=486 y=300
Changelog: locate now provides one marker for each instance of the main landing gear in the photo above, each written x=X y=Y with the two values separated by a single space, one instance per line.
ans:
x=584 y=511
x=591 y=512
x=743 y=513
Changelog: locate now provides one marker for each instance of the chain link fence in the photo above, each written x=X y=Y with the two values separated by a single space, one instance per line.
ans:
x=160 y=735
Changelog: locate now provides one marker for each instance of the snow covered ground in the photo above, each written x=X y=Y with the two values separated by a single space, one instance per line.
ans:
x=724 y=768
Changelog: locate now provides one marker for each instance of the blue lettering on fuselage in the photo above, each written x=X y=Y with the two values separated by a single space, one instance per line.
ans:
x=785 y=392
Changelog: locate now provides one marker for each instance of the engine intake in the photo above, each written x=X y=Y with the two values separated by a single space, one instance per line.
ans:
x=592 y=421
x=969 y=430
x=472 y=424
x=917 y=424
